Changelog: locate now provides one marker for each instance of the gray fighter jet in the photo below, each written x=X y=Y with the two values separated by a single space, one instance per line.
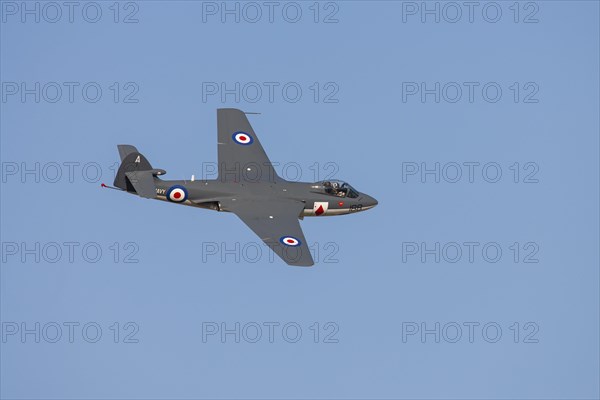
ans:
x=248 y=186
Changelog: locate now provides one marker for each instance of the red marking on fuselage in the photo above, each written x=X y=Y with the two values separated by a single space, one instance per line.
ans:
x=319 y=210
x=341 y=203
x=177 y=195
x=242 y=138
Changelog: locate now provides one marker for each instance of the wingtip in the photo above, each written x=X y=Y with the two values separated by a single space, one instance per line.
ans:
x=302 y=264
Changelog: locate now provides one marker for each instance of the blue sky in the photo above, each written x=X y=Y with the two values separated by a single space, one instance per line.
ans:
x=421 y=114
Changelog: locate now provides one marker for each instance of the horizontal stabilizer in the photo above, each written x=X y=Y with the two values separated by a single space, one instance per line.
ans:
x=143 y=183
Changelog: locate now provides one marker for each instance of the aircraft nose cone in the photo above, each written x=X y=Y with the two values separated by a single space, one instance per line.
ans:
x=370 y=202
x=374 y=202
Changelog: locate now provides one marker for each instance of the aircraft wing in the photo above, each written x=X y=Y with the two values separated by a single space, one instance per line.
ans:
x=276 y=223
x=241 y=156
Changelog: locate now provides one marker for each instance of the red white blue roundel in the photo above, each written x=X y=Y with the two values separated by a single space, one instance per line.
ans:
x=242 y=138
x=290 y=241
x=177 y=194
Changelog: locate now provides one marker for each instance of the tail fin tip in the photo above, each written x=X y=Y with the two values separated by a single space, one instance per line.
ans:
x=125 y=150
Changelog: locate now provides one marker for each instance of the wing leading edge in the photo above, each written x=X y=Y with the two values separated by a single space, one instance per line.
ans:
x=276 y=223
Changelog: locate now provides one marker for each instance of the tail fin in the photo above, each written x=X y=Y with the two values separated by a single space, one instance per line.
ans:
x=125 y=150
x=135 y=174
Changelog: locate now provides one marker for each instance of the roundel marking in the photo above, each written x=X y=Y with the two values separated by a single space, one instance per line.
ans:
x=290 y=241
x=177 y=194
x=242 y=138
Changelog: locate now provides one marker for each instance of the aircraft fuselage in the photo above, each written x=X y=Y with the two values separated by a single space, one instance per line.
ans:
x=209 y=194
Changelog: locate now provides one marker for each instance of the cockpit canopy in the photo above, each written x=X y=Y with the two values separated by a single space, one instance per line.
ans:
x=338 y=188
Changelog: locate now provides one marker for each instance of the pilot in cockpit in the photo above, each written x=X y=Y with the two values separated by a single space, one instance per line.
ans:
x=339 y=189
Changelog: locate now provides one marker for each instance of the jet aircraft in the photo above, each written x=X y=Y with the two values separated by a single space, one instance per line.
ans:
x=248 y=186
